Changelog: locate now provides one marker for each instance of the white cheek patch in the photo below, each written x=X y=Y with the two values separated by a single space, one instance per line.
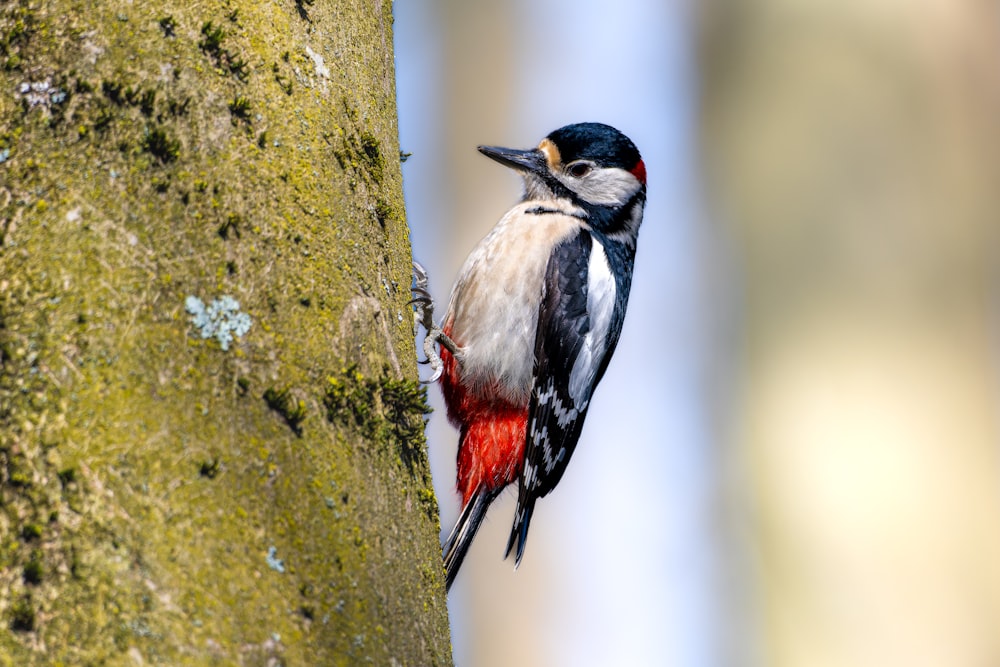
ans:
x=604 y=187
x=601 y=291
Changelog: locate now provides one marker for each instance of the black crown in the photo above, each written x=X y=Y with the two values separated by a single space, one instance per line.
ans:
x=597 y=142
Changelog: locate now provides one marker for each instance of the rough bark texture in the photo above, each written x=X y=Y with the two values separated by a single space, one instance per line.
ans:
x=169 y=498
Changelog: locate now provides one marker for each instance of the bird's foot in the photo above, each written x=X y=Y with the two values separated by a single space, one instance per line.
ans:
x=423 y=316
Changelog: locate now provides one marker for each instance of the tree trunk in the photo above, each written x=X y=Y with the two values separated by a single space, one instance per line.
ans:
x=854 y=148
x=211 y=437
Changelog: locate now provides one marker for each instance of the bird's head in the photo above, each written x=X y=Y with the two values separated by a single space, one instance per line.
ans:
x=592 y=164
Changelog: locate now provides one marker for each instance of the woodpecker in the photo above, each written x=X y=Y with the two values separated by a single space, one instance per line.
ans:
x=533 y=320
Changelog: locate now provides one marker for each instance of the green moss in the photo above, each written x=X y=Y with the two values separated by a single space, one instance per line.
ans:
x=33 y=570
x=291 y=409
x=428 y=502
x=178 y=108
x=31 y=531
x=102 y=120
x=209 y=468
x=240 y=108
x=146 y=101
x=167 y=25
x=212 y=37
x=360 y=150
x=115 y=420
x=231 y=226
x=224 y=58
x=383 y=211
x=22 y=25
x=385 y=410
x=22 y=615
x=158 y=143
x=283 y=80
x=114 y=91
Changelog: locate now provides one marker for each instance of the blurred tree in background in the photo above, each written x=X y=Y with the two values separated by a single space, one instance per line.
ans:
x=853 y=151
x=211 y=437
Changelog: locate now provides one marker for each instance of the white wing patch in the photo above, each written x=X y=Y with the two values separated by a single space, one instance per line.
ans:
x=601 y=291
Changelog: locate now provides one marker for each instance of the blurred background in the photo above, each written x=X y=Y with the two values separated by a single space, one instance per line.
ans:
x=793 y=459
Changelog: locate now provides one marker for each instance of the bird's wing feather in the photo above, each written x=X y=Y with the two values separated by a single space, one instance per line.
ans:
x=571 y=347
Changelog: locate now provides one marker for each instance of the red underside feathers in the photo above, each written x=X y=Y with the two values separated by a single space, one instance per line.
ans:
x=491 y=448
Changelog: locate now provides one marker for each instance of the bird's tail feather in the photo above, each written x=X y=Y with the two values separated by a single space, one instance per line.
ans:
x=458 y=543
x=519 y=532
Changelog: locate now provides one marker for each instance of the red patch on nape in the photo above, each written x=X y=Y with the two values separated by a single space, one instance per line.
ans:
x=639 y=171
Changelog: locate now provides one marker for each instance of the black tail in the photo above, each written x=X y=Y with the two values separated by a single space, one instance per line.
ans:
x=458 y=543
x=519 y=532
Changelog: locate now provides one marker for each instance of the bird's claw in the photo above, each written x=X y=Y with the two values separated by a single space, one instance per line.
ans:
x=421 y=296
x=423 y=316
x=434 y=336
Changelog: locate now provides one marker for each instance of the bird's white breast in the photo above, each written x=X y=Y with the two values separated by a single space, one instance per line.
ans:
x=493 y=314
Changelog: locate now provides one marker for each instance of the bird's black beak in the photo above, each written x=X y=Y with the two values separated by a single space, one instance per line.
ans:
x=518 y=160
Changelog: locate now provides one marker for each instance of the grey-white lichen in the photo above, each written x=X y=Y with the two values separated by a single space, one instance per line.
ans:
x=41 y=93
x=222 y=319
x=273 y=561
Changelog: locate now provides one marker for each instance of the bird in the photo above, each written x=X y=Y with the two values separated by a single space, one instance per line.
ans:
x=533 y=320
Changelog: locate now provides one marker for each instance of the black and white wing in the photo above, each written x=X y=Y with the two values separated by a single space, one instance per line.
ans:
x=578 y=328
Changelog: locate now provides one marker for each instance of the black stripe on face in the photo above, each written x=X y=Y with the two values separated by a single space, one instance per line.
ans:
x=544 y=210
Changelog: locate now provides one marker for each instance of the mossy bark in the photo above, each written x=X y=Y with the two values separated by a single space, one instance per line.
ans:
x=255 y=496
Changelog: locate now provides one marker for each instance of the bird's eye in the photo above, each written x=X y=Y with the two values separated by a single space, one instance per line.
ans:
x=578 y=169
